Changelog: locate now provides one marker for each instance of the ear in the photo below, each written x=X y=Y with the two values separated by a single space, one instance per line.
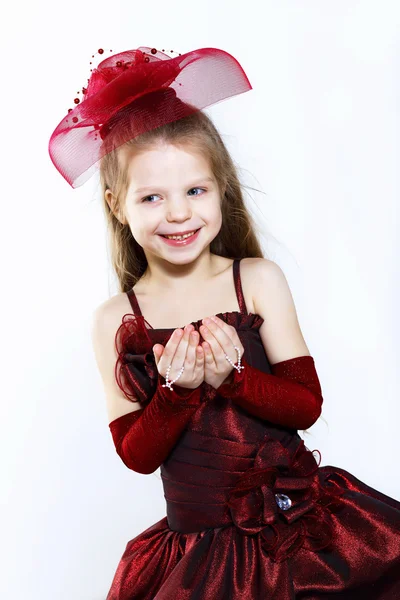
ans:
x=115 y=206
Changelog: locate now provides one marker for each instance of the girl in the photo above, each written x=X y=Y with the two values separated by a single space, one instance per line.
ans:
x=216 y=403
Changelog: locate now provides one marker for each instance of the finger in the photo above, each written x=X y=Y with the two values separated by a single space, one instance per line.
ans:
x=181 y=350
x=219 y=347
x=222 y=340
x=199 y=358
x=191 y=357
x=158 y=350
x=171 y=348
x=223 y=332
x=209 y=359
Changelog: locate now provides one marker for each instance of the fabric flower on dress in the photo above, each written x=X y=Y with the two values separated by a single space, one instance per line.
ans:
x=135 y=369
x=281 y=498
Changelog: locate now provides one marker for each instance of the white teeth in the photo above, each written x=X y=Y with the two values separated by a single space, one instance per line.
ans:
x=179 y=237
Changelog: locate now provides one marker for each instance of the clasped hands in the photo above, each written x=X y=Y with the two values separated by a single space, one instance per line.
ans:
x=220 y=339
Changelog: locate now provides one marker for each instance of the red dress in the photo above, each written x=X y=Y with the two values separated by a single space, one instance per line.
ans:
x=329 y=536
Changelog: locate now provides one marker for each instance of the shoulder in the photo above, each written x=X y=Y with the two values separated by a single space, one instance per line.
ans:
x=103 y=327
x=107 y=314
x=265 y=271
x=261 y=271
x=260 y=274
x=257 y=265
x=106 y=319
x=261 y=266
x=273 y=301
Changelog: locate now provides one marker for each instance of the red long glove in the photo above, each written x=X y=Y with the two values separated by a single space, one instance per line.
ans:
x=291 y=396
x=145 y=437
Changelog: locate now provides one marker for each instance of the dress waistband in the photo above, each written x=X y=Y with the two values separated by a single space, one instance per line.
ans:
x=280 y=494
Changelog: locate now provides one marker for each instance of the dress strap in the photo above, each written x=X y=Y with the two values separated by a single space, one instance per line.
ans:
x=134 y=303
x=238 y=286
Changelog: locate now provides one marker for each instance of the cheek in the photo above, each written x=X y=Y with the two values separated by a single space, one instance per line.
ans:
x=143 y=229
x=211 y=214
x=214 y=220
x=140 y=235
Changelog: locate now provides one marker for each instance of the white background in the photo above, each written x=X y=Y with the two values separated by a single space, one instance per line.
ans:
x=318 y=136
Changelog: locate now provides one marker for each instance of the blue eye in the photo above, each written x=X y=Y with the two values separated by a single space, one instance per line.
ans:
x=154 y=195
x=197 y=188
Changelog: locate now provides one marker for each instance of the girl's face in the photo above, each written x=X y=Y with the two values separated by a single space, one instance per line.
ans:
x=172 y=190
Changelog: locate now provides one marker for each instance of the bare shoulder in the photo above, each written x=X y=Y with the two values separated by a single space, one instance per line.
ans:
x=262 y=271
x=254 y=264
x=281 y=332
x=107 y=312
x=248 y=276
x=106 y=319
x=263 y=267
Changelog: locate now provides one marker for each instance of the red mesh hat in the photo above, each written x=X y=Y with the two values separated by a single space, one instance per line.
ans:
x=144 y=88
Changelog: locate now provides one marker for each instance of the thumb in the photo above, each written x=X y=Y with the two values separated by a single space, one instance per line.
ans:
x=156 y=352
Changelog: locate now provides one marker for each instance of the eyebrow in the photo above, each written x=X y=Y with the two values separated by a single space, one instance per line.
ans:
x=152 y=187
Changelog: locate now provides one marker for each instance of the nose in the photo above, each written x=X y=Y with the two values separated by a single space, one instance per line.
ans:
x=178 y=209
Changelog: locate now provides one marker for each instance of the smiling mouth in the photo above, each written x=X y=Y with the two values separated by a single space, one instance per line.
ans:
x=186 y=236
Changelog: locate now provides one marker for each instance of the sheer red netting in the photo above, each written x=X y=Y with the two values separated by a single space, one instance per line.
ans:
x=137 y=91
